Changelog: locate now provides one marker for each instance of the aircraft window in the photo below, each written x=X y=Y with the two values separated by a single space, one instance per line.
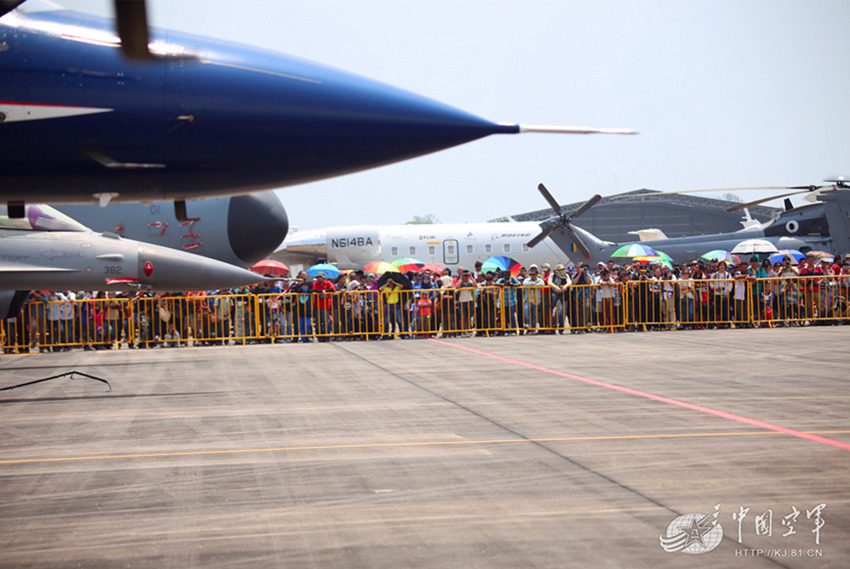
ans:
x=488 y=248
x=413 y=250
x=39 y=218
x=507 y=247
x=469 y=248
x=451 y=249
x=432 y=250
x=394 y=251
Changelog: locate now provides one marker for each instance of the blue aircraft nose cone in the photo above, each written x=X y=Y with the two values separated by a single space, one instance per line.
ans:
x=203 y=118
x=299 y=122
x=356 y=124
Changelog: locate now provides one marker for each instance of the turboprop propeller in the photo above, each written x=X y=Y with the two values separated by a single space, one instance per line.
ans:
x=563 y=221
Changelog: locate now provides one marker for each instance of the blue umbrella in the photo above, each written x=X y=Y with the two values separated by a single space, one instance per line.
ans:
x=330 y=271
x=780 y=256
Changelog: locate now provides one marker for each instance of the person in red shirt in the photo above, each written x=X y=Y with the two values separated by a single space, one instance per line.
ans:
x=425 y=309
x=321 y=306
x=811 y=287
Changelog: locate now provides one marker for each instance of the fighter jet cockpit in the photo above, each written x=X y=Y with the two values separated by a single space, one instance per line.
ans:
x=39 y=217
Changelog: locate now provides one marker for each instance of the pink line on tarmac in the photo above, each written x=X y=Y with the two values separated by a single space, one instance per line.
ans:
x=691 y=406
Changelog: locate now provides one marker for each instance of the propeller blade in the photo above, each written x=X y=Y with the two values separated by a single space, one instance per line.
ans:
x=9 y=5
x=547 y=227
x=540 y=237
x=578 y=242
x=585 y=206
x=552 y=202
x=536 y=240
x=132 y=22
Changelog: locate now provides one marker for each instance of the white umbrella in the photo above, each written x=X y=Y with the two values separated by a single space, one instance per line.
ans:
x=751 y=246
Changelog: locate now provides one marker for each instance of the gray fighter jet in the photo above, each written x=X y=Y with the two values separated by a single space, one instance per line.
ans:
x=46 y=249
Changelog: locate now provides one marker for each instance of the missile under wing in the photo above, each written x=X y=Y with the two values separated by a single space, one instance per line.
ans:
x=48 y=250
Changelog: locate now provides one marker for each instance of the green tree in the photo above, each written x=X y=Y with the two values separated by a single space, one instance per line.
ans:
x=426 y=219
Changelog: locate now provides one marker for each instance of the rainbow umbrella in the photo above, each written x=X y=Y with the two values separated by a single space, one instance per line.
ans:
x=500 y=263
x=635 y=250
x=646 y=259
x=718 y=255
x=379 y=268
x=406 y=264
x=659 y=257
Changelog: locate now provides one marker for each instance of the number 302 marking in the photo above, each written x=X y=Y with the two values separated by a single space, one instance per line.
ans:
x=112 y=270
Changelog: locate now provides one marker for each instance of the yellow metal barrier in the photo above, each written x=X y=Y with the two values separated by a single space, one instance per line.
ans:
x=687 y=303
x=53 y=323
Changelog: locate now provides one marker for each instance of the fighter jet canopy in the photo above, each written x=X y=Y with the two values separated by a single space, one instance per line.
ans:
x=39 y=217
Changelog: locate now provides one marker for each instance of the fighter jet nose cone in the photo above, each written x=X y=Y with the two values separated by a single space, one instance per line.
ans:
x=256 y=225
x=173 y=270
x=299 y=122
x=372 y=123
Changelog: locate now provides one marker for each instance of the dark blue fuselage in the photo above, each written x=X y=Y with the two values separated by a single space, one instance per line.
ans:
x=203 y=119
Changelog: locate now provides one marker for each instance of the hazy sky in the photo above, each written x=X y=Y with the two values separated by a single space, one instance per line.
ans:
x=725 y=94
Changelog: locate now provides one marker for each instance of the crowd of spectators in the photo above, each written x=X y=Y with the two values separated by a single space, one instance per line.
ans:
x=610 y=297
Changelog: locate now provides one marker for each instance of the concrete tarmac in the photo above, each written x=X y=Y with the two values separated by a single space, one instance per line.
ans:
x=729 y=447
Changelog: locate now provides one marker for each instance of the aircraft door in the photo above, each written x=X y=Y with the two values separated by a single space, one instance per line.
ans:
x=451 y=252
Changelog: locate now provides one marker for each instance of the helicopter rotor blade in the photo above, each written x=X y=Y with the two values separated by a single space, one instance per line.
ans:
x=763 y=200
x=809 y=188
x=813 y=195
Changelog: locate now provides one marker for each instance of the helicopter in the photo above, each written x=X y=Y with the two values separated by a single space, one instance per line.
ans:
x=824 y=225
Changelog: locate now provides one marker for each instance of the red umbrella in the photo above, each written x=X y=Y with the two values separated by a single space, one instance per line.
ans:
x=271 y=268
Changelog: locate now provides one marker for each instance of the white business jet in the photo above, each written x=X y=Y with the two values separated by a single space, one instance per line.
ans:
x=448 y=244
